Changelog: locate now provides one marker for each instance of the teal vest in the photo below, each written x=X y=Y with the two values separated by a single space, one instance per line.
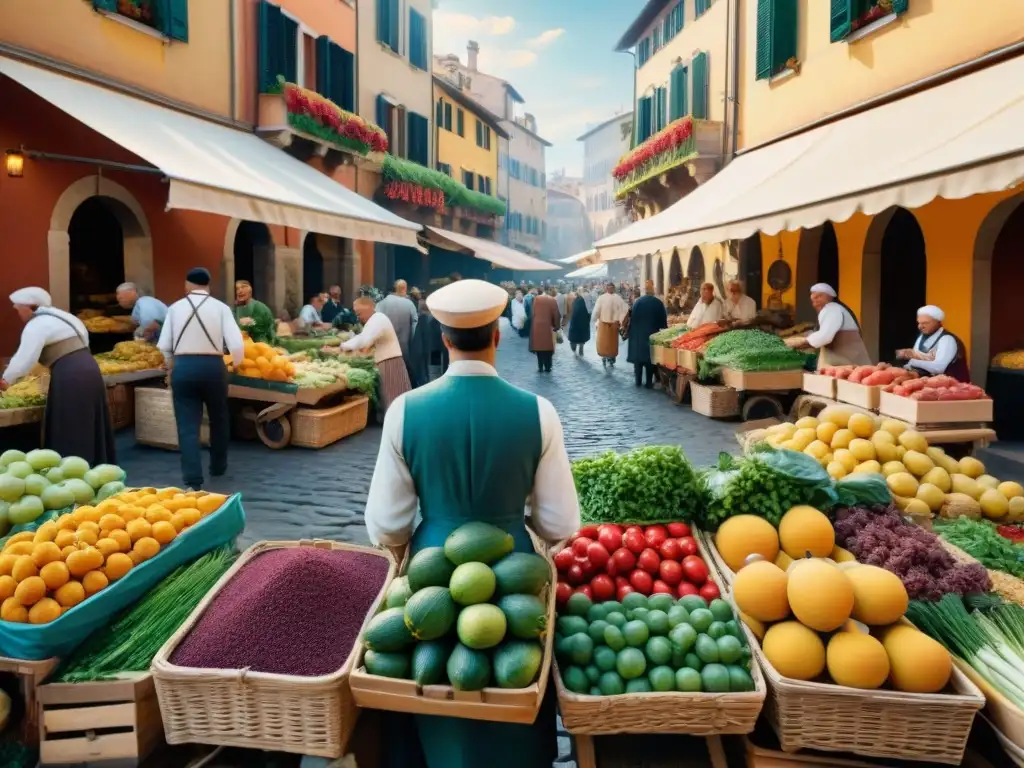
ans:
x=472 y=445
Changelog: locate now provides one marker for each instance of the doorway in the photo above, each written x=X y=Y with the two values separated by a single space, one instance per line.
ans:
x=695 y=276
x=903 y=273
x=1005 y=332
x=675 y=270
x=252 y=250
x=96 y=255
x=312 y=269
x=817 y=262
x=750 y=267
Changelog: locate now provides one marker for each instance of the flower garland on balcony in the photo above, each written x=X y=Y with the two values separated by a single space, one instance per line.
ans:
x=671 y=146
x=416 y=184
x=317 y=116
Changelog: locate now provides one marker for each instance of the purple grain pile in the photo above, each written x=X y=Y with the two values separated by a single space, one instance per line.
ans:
x=295 y=611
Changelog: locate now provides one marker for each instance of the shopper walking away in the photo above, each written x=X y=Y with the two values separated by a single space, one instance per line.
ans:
x=76 y=421
x=648 y=316
x=379 y=334
x=403 y=314
x=609 y=312
x=543 y=327
x=559 y=295
x=148 y=312
x=838 y=337
x=518 y=321
x=708 y=310
x=254 y=317
x=579 y=324
x=427 y=351
x=470 y=447
x=197 y=331
x=333 y=306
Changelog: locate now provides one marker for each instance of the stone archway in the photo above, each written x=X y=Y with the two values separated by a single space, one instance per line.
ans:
x=275 y=272
x=695 y=274
x=675 y=272
x=138 y=241
x=750 y=266
x=817 y=261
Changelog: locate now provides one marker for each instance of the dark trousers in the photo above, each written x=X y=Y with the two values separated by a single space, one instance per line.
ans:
x=544 y=361
x=577 y=348
x=197 y=381
x=638 y=373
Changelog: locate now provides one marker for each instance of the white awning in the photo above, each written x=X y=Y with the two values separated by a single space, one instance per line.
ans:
x=217 y=169
x=591 y=271
x=955 y=140
x=577 y=258
x=488 y=250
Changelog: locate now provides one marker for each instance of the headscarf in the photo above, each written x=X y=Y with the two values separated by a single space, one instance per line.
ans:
x=31 y=297
x=933 y=312
x=825 y=288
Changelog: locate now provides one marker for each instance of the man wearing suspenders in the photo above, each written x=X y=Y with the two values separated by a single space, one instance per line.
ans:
x=197 y=331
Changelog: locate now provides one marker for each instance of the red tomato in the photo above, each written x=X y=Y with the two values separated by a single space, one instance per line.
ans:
x=625 y=561
x=563 y=559
x=621 y=581
x=610 y=537
x=590 y=531
x=634 y=541
x=588 y=568
x=649 y=561
x=622 y=591
x=670 y=572
x=688 y=546
x=678 y=529
x=611 y=568
x=662 y=587
x=695 y=570
x=629 y=528
x=598 y=555
x=655 y=534
x=686 y=588
x=709 y=591
x=579 y=547
x=562 y=593
x=641 y=581
x=603 y=587
x=670 y=549
x=586 y=590
x=575 y=574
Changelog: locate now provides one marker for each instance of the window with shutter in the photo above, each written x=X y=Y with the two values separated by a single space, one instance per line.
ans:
x=776 y=36
x=417 y=39
x=467 y=179
x=105 y=5
x=700 y=7
x=387 y=24
x=324 y=71
x=479 y=133
x=173 y=16
x=680 y=15
x=461 y=123
x=700 y=86
x=487 y=137
x=439 y=117
x=343 y=78
x=479 y=183
x=289 y=49
x=271 y=46
x=841 y=17
x=677 y=93
x=447 y=116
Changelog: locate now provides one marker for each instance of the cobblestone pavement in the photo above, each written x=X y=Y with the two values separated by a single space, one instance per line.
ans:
x=298 y=493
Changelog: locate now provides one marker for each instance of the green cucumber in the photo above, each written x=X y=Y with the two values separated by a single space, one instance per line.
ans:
x=430 y=613
x=387 y=632
x=387 y=664
x=468 y=670
x=428 y=662
x=526 y=615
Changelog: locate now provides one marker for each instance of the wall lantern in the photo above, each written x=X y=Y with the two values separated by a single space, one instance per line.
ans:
x=15 y=163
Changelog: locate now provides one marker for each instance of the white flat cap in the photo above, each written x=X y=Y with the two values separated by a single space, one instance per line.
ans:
x=933 y=312
x=825 y=288
x=467 y=304
x=31 y=297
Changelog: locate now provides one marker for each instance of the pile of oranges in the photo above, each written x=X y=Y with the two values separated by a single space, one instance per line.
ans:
x=262 y=361
x=47 y=571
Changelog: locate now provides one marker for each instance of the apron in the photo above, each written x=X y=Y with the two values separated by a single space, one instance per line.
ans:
x=846 y=348
x=53 y=352
x=958 y=368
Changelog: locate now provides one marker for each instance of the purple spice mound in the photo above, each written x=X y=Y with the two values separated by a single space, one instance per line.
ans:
x=295 y=611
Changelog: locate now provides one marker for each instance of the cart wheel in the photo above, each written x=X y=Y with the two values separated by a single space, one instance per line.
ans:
x=762 y=407
x=275 y=433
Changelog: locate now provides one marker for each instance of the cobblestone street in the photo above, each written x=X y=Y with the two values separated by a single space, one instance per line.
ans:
x=298 y=493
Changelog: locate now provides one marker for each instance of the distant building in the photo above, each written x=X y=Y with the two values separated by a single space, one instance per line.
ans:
x=603 y=146
x=568 y=227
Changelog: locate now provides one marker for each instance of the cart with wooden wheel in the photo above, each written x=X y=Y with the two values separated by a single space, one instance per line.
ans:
x=268 y=405
x=763 y=394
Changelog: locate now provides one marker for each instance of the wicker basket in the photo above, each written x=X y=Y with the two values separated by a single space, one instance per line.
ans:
x=319 y=427
x=495 y=704
x=258 y=710
x=154 y=419
x=706 y=542
x=121 y=402
x=714 y=400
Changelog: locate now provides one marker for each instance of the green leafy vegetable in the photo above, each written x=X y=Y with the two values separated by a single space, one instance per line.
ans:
x=750 y=350
x=667 y=336
x=980 y=540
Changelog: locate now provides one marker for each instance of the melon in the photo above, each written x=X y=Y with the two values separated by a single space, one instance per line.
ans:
x=743 y=535
x=837 y=414
x=885 y=451
x=836 y=470
x=842 y=439
x=826 y=431
x=1010 y=489
x=794 y=650
x=917 y=507
x=755 y=626
x=971 y=467
x=943 y=459
x=807 y=422
x=867 y=468
x=893 y=427
x=783 y=560
x=820 y=595
x=987 y=481
x=803 y=437
x=917 y=663
x=892 y=468
x=803 y=531
x=931 y=495
x=847 y=459
x=1016 y=513
x=861 y=425
x=760 y=590
x=840 y=555
x=966 y=485
x=938 y=477
x=902 y=484
x=993 y=504
x=917 y=463
x=913 y=440
x=960 y=505
x=857 y=660
x=862 y=450
x=879 y=597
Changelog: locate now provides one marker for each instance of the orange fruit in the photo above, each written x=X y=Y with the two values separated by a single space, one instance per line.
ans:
x=55 y=575
x=7 y=586
x=146 y=547
x=131 y=512
x=89 y=525
x=94 y=581
x=45 y=552
x=108 y=546
x=67 y=522
x=65 y=537
x=179 y=521
x=7 y=562
x=123 y=539
x=71 y=594
x=191 y=515
x=45 y=532
x=156 y=513
x=24 y=568
x=30 y=591
x=138 y=529
x=66 y=551
x=44 y=611
x=117 y=566
x=110 y=522
x=88 y=536
x=12 y=610
x=164 y=532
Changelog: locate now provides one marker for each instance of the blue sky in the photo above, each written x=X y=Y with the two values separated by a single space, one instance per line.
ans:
x=557 y=53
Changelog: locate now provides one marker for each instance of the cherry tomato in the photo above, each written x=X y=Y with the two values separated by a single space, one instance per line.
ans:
x=588 y=568
x=622 y=591
x=634 y=541
x=695 y=570
x=709 y=591
x=686 y=588
x=625 y=561
x=586 y=590
x=575 y=574
x=641 y=581
x=610 y=537
x=662 y=587
x=678 y=529
x=670 y=572
x=598 y=555
x=649 y=561
x=562 y=593
x=563 y=559
x=621 y=581
x=579 y=547
x=633 y=528
x=688 y=546
x=671 y=549
x=611 y=568
x=589 y=531
x=655 y=534
x=603 y=587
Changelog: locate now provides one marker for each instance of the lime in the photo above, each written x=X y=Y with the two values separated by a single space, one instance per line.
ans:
x=705 y=648
x=677 y=615
x=636 y=633
x=631 y=664
x=637 y=614
x=612 y=605
x=596 y=630
x=720 y=609
x=657 y=622
x=683 y=636
x=687 y=680
x=615 y=618
x=729 y=649
x=662 y=678
x=693 y=662
x=717 y=629
x=567 y=626
x=604 y=658
x=595 y=691
x=715 y=678
x=578 y=605
x=575 y=680
x=597 y=611
x=678 y=658
x=700 y=619
x=640 y=685
x=733 y=628
x=692 y=602
x=613 y=638
x=611 y=684
x=562 y=648
x=593 y=673
x=581 y=647
x=658 y=651
x=660 y=602
x=634 y=600
x=739 y=679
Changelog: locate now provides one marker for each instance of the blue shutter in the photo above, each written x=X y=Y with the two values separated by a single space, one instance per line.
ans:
x=270 y=50
x=841 y=19
x=383 y=26
x=899 y=6
x=700 y=86
x=343 y=78
x=382 y=116
x=417 y=39
x=173 y=16
x=677 y=95
x=324 y=68
x=411 y=140
x=290 y=49
x=393 y=17
x=105 y=5
x=461 y=123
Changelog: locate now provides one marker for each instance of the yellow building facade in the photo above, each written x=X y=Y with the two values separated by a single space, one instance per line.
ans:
x=467 y=138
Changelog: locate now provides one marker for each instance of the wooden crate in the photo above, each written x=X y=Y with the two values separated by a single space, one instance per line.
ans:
x=816 y=384
x=687 y=359
x=154 y=419
x=762 y=381
x=110 y=723
x=858 y=394
x=121 y=402
x=714 y=401
x=934 y=411
x=320 y=427
x=30 y=676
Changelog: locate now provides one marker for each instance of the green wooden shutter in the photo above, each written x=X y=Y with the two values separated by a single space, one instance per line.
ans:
x=173 y=16
x=324 y=68
x=270 y=53
x=290 y=49
x=461 y=123
x=479 y=133
x=439 y=117
x=776 y=36
x=700 y=86
x=763 y=50
x=382 y=116
x=412 y=139
x=680 y=15
x=899 y=6
x=447 y=116
x=841 y=19
x=105 y=5
x=661 y=108
x=344 y=65
x=677 y=95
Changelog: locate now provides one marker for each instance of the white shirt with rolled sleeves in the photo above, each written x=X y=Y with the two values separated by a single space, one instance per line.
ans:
x=609 y=308
x=945 y=350
x=380 y=334
x=218 y=319
x=703 y=313
x=392 y=504
x=742 y=311
x=832 y=319
x=39 y=332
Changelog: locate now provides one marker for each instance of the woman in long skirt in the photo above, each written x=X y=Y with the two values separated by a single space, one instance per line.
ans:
x=379 y=335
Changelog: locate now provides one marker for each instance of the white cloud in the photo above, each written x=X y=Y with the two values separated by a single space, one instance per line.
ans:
x=496 y=59
x=545 y=38
x=450 y=23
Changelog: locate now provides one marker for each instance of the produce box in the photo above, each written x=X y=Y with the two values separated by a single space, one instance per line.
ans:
x=934 y=411
x=714 y=401
x=762 y=381
x=1003 y=713
x=860 y=395
x=62 y=635
x=313 y=395
x=154 y=419
x=30 y=675
x=247 y=382
x=99 y=724
x=687 y=359
x=816 y=384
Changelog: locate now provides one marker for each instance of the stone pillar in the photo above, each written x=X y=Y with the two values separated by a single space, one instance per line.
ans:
x=138 y=263
x=286 y=280
x=350 y=277
x=59 y=246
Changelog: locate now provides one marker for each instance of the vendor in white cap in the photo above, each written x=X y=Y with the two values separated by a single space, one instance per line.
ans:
x=837 y=337
x=77 y=418
x=470 y=447
x=936 y=350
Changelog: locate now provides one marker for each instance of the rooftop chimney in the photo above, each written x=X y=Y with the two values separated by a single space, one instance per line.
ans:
x=530 y=122
x=472 y=51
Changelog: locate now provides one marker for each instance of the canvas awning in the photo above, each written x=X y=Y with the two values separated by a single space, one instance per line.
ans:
x=590 y=253
x=217 y=169
x=957 y=139
x=590 y=272
x=488 y=250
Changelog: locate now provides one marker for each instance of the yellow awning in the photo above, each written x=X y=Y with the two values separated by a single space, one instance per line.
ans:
x=962 y=138
x=217 y=169
x=488 y=250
